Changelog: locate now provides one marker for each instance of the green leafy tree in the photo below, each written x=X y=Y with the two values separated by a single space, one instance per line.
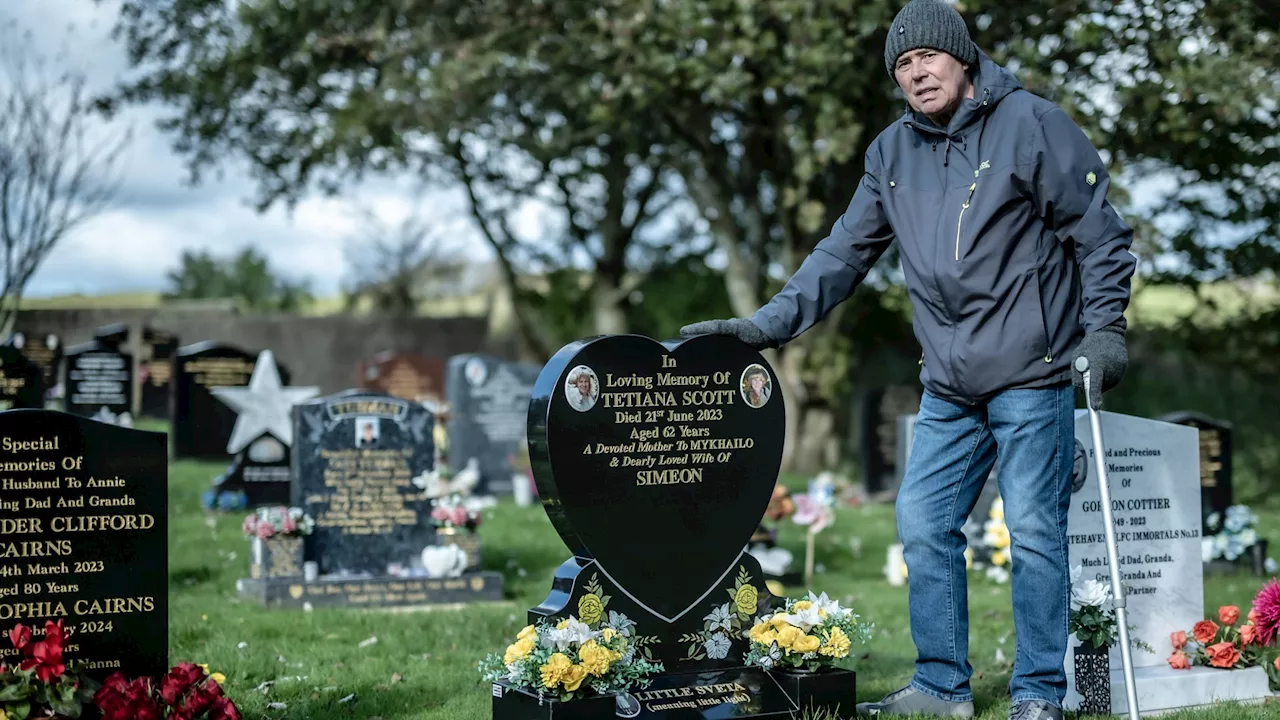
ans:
x=245 y=277
x=754 y=116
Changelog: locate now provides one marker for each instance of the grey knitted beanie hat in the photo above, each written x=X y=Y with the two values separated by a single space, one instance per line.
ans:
x=929 y=24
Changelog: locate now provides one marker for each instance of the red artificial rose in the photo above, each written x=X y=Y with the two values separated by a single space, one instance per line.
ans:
x=20 y=635
x=55 y=633
x=1223 y=654
x=199 y=700
x=224 y=709
x=1179 y=639
x=1228 y=614
x=1204 y=631
x=1248 y=633
x=1178 y=660
x=178 y=681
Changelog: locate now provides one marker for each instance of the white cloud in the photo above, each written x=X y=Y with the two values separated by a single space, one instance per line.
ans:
x=157 y=215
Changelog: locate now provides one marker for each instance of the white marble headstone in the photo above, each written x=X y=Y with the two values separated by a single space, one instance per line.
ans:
x=1154 y=473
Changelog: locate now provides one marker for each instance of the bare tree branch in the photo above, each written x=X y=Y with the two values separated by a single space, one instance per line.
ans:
x=55 y=174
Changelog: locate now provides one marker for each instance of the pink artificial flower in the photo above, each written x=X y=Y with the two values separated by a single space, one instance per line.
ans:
x=288 y=525
x=1267 y=606
x=265 y=530
x=459 y=515
x=439 y=513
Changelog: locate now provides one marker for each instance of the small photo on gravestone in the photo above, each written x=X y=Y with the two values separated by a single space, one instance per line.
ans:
x=582 y=388
x=367 y=432
x=756 y=386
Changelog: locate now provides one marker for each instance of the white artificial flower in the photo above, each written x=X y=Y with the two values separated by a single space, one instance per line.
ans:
x=999 y=574
x=1206 y=549
x=1248 y=537
x=1075 y=574
x=1090 y=593
x=826 y=605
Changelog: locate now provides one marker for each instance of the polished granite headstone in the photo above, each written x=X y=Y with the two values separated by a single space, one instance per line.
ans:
x=261 y=471
x=355 y=456
x=84 y=524
x=99 y=380
x=1215 y=461
x=21 y=381
x=43 y=350
x=488 y=408
x=202 y=424
x=155 y=373
x=655 y=463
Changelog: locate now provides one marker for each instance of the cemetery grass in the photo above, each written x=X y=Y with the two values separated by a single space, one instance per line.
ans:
x=342 y=663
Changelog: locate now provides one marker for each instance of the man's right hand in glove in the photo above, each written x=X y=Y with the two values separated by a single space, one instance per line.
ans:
x=743 y=329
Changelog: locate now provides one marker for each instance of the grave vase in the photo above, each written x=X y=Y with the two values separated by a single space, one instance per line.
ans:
x=1258 y=558
x=1093 y=679
x=829 y=690
x=276 y=557
x=466 y=540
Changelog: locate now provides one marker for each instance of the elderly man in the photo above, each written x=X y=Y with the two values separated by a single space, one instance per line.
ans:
x=1016 y=264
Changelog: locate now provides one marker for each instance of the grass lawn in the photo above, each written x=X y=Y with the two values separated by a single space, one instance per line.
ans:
x=293 y=664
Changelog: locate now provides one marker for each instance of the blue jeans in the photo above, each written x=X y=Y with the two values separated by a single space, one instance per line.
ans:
x=953 y=450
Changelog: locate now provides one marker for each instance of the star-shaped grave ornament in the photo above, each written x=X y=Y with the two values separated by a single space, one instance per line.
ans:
x=263 y=405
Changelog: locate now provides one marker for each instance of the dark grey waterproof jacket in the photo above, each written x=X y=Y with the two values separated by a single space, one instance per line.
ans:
x=1010 y=248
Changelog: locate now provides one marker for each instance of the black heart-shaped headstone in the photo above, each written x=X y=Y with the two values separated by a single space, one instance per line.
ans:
x=657 y=459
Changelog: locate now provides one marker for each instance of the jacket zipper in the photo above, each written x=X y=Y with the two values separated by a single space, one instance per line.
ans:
x=961 y=220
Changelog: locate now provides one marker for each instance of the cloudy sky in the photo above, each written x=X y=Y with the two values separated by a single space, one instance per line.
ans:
x=157 y=215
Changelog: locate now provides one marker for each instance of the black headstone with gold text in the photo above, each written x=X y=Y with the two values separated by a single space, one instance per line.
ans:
x=655 y=463
x=84 y=538
x=201 y=423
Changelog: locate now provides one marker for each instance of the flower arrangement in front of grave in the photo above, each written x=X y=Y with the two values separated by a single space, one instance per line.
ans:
x=994 y=554
x=43 y=684
x=812 y=634
x=1230 y=643
x=268 y=522
x=1230 y=535
x=572 y=659
x=187 y=692
x=454 y=512
x=1092 y=618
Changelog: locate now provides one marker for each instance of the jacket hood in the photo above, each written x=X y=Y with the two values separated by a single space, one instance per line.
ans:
x=992 y=83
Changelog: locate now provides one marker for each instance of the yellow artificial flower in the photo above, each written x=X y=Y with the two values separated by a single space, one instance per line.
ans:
x=779 y=621
x=556 y=669
x=999 y=558
x=802 y=606
x=608 y=634
x=596 y=659
x=806 y=644
x=573 y=677
x=528 y=631
x=3 y=715
x=788 y=636
x=746 y=599
x=518 y=650
x=562 y=624
x=968 y=558
x=837 y=644
x=590 y=608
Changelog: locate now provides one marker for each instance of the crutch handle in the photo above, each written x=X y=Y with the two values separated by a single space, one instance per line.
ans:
x=1082 y=364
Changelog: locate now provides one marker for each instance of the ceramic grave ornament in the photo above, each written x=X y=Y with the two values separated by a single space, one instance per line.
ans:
x=655 y=463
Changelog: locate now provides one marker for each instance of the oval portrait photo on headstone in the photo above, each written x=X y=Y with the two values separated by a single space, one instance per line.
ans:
x=756 y=385
x=582 y=388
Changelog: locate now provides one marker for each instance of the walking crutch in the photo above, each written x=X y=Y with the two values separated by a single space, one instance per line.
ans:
x=1117 y=588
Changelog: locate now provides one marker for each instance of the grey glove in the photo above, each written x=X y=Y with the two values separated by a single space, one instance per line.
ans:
x=744 y=330
x=1108 y=358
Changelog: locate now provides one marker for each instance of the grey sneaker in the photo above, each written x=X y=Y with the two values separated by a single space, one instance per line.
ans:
x=1034 y=710
x=908 y=701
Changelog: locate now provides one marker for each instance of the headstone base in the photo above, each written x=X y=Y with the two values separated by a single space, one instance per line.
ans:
x=1162 y=690
x=376 y=592
x=833 y=692
x=511 y=703
x=741 y=692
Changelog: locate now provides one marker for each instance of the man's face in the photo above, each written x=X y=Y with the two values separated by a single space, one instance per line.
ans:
x=934 y=82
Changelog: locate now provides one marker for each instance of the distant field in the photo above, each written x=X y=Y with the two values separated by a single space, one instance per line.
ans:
x=1152 y=305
